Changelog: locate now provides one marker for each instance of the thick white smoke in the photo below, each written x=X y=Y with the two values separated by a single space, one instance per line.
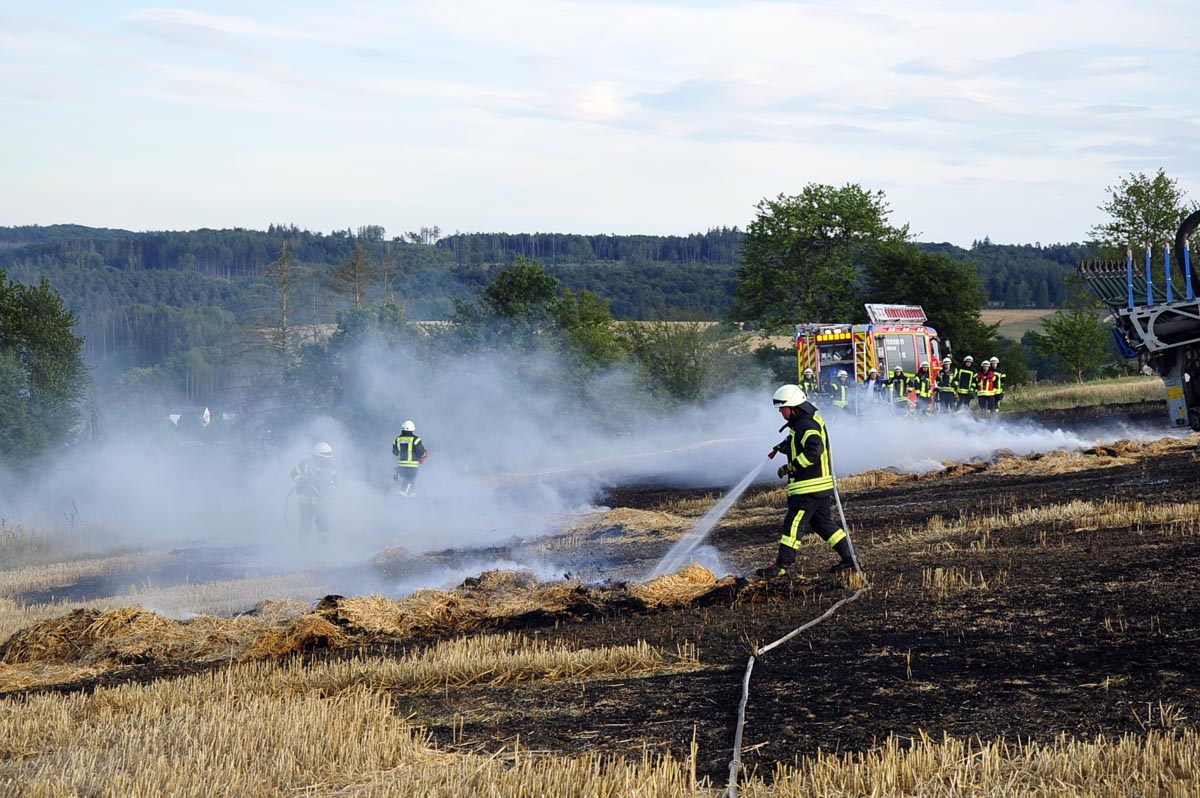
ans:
x=509 y=461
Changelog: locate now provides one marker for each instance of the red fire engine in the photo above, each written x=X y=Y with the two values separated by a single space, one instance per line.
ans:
x=895 y=336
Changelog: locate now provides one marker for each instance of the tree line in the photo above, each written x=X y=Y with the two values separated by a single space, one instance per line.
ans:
x=168 y=316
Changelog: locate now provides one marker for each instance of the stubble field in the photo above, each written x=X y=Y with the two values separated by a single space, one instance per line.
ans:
x=1031 y=628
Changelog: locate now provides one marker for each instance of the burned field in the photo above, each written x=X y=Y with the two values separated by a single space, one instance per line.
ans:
x=1026 y=598
x=1017 y=598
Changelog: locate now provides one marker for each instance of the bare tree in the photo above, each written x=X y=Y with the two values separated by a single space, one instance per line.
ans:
x=354 y=275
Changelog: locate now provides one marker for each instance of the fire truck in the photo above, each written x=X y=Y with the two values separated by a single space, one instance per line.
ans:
x=896 y=336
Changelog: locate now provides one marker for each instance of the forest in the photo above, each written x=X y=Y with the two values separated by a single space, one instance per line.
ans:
x=162 y=311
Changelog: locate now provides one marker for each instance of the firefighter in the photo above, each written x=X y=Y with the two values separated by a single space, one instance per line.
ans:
x=809 y=472
x=809 y=384
x=924 y=389
x=998 y=396
x=315 y=480
x=410 y=453
x=966 y=382
x=896 y=387
x=944 y=390
x=986 y=388
x=871 y=388
x=840 y=390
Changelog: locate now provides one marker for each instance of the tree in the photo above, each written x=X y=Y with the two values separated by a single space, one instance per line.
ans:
x=1143 y=210
x=949 y=290
x=42 y=374
x=354 y=275
x=586 y=329
x=802 y=254
x=1075 y=335
x=686 y=362
x=282 y=278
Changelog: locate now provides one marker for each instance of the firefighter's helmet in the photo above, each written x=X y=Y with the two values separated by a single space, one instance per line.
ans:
x=897 y=368
x=946 y=361
x=808 y=372
x=789 y=396
x=995 y=361
x=968 y=359
x=323 y=449
x=408 y=426
x=843 y=374
x=871 y=371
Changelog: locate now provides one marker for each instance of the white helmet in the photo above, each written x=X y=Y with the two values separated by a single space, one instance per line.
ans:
x=946 y=360
x=789 y=396
x=843 y=374
x=408 y=426
x=897 y=368
x=994 y=361
x=808 y=372
x=872 y=371
x=323 y=449
x=968 y=359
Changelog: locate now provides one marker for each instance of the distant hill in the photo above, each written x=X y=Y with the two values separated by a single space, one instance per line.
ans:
x=143 y=298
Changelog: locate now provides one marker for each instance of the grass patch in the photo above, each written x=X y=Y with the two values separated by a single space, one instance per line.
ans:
x=1052 y=396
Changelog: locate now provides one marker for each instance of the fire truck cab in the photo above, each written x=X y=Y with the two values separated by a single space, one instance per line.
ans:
x=895 y=336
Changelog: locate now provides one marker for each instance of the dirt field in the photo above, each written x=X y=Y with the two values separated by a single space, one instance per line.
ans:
x=995 y=611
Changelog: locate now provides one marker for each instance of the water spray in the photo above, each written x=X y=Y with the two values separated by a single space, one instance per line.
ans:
x=677 y=556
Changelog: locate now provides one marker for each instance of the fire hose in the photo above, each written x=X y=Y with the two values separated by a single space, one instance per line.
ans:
x=735 y=765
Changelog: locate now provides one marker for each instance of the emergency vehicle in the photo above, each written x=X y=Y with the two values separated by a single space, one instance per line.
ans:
x=896 y=336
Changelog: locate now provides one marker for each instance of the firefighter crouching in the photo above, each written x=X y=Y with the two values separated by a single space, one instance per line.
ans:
x=809 y=472
x=315 y=481
x=944 y=389
x=410 y=452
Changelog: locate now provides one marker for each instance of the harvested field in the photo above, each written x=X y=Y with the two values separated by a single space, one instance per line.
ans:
x=1036 y=604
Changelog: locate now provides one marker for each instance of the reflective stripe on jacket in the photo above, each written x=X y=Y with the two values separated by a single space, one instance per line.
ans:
x=809 y=469
x=408 y=450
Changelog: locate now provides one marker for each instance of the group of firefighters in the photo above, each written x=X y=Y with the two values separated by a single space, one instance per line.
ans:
x=915 y=394
x=316 y=479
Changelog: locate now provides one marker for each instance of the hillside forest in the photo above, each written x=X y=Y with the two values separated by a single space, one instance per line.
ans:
x=175 y=321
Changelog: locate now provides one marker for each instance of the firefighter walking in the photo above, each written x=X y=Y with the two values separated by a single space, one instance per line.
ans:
x=839 y=389
x=315 y=480
x=809 y=472
x=998 y=396
x=410 y=453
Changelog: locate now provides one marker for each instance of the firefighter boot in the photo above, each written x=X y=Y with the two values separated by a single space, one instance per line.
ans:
x=783 y=560
x=772 y=571
x=846 y=563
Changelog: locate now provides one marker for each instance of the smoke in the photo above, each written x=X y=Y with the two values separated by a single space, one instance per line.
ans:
x=517 y=451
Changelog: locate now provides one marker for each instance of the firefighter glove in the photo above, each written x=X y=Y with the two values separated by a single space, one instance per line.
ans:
x=783 y=470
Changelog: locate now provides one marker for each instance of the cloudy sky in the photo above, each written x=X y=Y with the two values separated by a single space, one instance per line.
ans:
x=1002 y=119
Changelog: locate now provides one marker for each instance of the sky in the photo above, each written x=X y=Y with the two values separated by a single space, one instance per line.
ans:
x=1008 y=120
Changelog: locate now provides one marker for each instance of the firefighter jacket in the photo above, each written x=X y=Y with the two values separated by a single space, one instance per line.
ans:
x=987 y=382
x=923 y=385
x=966 y=381
x=897 y=388
x=1000 y=375
x=409 y=450
x=315 y=480
x=840 y=392
x=810 y=386
x=810 y=470
x=945 y=381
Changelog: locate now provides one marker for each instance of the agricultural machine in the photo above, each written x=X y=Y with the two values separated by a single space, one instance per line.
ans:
x=1152 y=323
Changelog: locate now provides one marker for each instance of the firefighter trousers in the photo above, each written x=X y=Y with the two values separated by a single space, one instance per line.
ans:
x=808 y=512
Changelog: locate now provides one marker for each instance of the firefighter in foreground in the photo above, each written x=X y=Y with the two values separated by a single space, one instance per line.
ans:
x=315 y=481
x=410 y=453
x=809 y=472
